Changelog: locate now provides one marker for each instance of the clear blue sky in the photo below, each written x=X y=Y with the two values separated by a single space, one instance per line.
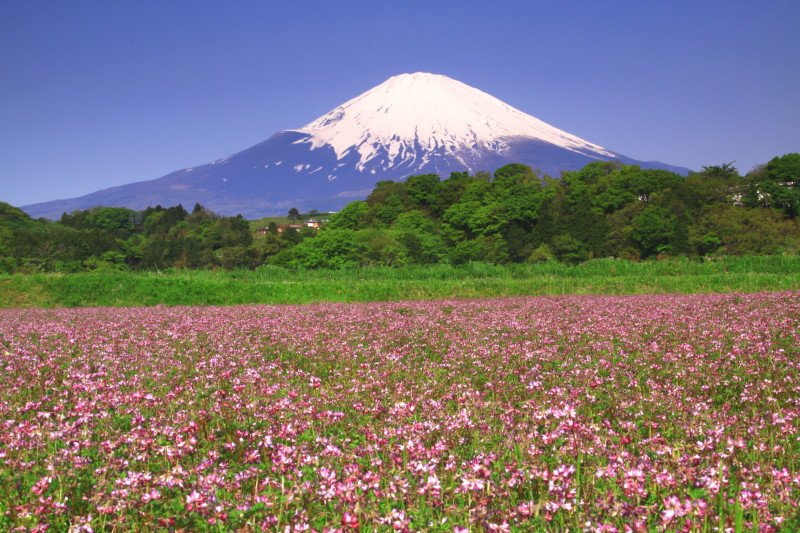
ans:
x=101 y=93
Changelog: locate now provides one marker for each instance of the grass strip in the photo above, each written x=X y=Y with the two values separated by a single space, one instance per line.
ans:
x=270 y=285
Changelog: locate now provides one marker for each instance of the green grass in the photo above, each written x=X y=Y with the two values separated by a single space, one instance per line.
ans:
x=271 y=285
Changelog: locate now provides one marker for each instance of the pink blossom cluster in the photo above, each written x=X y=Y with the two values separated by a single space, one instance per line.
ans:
x=580 y=413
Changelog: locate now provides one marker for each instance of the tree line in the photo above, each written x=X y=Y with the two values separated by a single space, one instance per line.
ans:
x=116 y=238
x=516 y=214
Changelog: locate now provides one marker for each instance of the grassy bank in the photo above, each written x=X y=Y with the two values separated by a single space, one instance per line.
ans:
x=279 y=286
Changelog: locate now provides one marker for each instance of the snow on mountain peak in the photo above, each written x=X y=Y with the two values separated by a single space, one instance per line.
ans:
x=411 y=114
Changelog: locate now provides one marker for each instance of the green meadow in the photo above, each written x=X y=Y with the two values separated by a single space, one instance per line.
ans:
x=274 y=285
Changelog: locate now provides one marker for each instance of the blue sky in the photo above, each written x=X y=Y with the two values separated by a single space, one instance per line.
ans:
x=96 y=93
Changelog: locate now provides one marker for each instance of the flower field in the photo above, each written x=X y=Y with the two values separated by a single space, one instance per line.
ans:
x=563 y=413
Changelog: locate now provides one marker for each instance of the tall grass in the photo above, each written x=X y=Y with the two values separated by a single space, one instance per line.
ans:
x=273 y=285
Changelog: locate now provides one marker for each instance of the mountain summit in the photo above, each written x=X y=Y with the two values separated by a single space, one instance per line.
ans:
x=410 y=124
x=411 y=120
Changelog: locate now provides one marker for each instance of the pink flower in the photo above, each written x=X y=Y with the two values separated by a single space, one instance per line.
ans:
x=152 y=495
x=195 y=501
x=42 y=485
x=350 y=520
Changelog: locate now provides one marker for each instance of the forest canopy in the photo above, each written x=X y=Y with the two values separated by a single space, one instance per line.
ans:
x=517 y=214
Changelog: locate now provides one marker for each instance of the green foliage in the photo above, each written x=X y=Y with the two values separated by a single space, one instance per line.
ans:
x=783 y=169
x=466 y=252
x=422 y=248
x=388 y=212
x=414 y=220
x=718 y=184
x=382 y=248
x=515 y=215
x=654 y=230
x=783 y=197
x=776 y=186
x=334 y=248
x=739 y=231
x=542 y=254
x=117 y=221
x=422 y=191
x=352 y=217
x=14 y=218
x=568 y=249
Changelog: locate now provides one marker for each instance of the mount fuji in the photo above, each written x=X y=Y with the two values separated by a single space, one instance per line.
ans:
x=410 y=124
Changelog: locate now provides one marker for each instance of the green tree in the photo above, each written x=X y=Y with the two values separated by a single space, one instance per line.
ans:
x=450 y=191
x=353 y=216
x=233 y=257
x=628 y=184
x=267 y=247
x=777 y=185
x=385 y=189
x=655 y=230
x=513 y=174
x=583 y=222
x=333 y=249
x=568 y=249
x=160 y=221
x=422 y=248
x=783 y=169
x=716 y=184
x=414 y=220
x=488 y=219
x=423 y=191
x=383 y=248
x=735 y=230
x=459 y=215
x=542 y=254
x=117 y=221
x=387 y=212
x=466 y=251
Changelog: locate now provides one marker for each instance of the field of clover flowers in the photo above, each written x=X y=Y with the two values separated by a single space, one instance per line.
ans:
x=578 y=413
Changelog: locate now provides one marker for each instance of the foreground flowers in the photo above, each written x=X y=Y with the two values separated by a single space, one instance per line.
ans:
x=651 y=413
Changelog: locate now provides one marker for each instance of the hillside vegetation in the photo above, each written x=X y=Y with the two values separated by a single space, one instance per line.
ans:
x=516 y=215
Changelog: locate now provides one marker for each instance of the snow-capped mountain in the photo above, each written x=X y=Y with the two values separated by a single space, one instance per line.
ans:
x=412 y=120
x=410 y=124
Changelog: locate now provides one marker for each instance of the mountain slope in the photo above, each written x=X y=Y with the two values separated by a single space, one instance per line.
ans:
x=410 y=116
x=410 y=124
